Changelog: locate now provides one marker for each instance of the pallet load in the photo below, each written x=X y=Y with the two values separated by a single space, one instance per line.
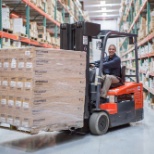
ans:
x=42 y=89
x=6 y=18
x=142 y=28
x=33 y=30
x=41 y=4
x=41 y=34
x=18 y=27
x=152 y=22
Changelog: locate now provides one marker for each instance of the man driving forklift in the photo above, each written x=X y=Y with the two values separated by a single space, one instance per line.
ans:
x=125 y=103
x=112 y=72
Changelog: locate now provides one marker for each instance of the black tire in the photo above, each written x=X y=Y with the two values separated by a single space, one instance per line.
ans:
x=99 y=123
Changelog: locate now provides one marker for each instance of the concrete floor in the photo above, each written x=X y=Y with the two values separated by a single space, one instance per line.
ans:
x=138 y=138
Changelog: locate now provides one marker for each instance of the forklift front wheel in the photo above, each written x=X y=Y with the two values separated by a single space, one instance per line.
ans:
x=99 y=123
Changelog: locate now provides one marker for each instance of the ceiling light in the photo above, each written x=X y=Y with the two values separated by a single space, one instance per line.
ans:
x=104 y=9
x=102 y=2
x=104 y=14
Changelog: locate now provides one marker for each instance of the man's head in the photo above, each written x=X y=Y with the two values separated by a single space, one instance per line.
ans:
x=111 y=49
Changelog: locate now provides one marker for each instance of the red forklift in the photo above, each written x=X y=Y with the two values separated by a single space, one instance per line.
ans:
x=125 y=101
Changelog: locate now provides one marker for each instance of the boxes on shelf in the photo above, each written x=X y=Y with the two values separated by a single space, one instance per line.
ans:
x=18 y=27
x=33 y=29
x=78 y=4
x=34 y=1
x=41 y=4
x=35 y=88
x=53 y=40
x=41 y=32
x=124 y=18
x=64 y=2
x=137 y=7
x=59 y=17
x=51 y=3
x=72 y=6
x=86 y=15
x=6 y=42
x=16 y=44
x=48 y=37
x=57 y=41
x=152 y=22
x=6 y=18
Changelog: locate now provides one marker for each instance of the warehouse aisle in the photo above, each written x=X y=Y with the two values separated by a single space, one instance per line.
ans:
x=135 y=139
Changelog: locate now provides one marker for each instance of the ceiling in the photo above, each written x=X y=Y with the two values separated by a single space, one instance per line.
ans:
x=102 y=9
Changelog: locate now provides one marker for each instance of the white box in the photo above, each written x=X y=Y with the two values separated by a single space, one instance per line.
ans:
x=18 y=26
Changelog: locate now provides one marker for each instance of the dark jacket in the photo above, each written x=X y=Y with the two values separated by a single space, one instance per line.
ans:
x=112 y=66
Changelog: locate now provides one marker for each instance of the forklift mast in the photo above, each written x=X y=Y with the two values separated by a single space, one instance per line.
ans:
x=77 y=37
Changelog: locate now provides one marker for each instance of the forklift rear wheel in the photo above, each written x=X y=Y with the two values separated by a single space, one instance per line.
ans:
x=99 y=123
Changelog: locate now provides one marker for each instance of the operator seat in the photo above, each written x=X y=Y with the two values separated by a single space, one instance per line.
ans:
x=122 y=78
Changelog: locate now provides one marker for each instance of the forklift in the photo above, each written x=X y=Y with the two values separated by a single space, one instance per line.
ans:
x=125 y=102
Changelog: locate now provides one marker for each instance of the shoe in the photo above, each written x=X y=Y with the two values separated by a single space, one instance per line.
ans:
x=103 y=100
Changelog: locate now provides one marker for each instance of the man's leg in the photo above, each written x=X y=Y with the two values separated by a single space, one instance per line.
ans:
x=107 y=83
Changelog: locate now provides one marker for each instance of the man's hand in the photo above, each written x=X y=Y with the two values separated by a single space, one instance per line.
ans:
x=92 y=65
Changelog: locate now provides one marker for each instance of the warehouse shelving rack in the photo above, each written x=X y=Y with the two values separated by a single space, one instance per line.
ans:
x=28 y=10
x=145 y=7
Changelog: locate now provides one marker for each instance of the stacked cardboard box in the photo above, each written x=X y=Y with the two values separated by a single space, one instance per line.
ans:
x=57 y=41
x=137 y=7
x=142 y=28
x=53 y=40
x=152 y=22
x=34 y=1
x=41 y=32
x=72 y=6
x=41 y=4
x=42 y=88
x=6 y=43
x=51 y=8
x=59 y=17
x=33 y=29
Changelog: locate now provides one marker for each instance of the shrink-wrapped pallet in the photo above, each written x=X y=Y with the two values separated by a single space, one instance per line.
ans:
x=42 y=88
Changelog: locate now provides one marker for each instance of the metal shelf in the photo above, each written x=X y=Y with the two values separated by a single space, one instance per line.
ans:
x=127 y=59
x=130 y=68
x=148 y=55
x=130 y=5
x=144 y=72
x=66 y=9
x=25 y=40
x=47 y=16
x=149 y=89
x=148 y=38
x=141 y=71
x=127 y=52
x=136 y=18
x=8 y=35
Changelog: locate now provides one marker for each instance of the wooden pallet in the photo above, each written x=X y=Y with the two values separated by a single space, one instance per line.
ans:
x=33 y=131
x=21 y=34
x=7 y=30
x=23 y=129
x=33 y=38
x=41 y=40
